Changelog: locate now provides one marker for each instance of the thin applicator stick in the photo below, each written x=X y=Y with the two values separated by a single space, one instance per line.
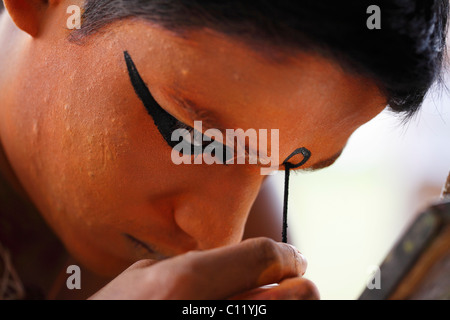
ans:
x=287 y=169
x=285 y=203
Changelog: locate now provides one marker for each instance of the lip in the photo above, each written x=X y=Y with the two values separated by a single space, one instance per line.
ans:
x=150 y=251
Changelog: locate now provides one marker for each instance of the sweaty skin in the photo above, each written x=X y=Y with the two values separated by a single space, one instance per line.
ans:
x=91 y=159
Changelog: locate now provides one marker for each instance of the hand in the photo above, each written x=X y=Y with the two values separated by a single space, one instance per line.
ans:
x=235 y=271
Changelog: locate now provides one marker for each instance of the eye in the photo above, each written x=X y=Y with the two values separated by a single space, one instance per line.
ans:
x=163 y=120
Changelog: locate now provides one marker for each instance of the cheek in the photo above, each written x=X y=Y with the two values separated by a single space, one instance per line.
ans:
x=77 y=142
x=103 y=157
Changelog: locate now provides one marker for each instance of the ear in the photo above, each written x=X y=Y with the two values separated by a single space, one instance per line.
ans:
x=28 y=14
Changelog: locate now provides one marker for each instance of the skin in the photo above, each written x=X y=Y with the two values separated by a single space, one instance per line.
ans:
x=90 y=158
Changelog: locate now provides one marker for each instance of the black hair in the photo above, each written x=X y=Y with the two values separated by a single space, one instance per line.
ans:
x=404 y=57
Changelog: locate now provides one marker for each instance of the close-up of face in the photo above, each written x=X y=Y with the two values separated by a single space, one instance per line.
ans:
x=92 y=159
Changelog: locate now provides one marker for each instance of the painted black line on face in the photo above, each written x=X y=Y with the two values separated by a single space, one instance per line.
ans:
x=165 y=122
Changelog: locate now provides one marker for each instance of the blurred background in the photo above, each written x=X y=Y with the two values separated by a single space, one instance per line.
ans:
x=346 y=218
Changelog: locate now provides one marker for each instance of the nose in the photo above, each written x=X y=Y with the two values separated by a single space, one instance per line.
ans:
x=214 y=208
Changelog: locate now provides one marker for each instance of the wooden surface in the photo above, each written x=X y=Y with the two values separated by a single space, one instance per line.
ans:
x=430 y=276
x=446 y=189
x=418 y=266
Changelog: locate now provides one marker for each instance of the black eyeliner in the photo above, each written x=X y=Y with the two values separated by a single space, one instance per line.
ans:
x=163 y=120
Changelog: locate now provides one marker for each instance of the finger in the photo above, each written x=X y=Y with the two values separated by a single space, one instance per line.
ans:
x=289 y=289
x=141 y=264
x=226 y=271
x=127 y=282
x=249 y=295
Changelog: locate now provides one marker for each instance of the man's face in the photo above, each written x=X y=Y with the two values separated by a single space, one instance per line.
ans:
x=94 y=163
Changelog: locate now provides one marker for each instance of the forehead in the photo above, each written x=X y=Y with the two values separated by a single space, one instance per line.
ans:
x=219 y=76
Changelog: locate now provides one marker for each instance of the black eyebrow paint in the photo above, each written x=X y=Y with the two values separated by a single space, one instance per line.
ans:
x=287 y=168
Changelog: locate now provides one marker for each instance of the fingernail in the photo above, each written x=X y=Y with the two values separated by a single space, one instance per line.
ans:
x=303 y=262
